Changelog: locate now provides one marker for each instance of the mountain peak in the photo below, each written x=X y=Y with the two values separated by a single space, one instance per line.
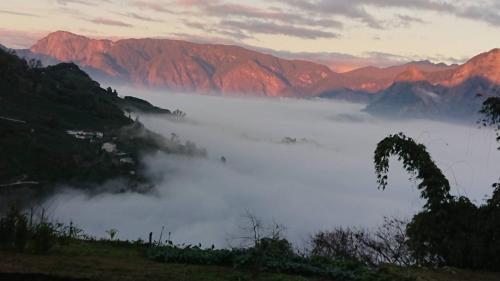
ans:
x=485 y=65
x=420 y=62
x=63 y=33
x=67 y=46
x=412 y=74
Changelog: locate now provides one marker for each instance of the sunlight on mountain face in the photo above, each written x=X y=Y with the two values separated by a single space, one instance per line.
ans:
x=307 y=164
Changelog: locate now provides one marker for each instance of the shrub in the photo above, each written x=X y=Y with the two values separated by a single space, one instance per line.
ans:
x=14 y=232
x=270 y=255
x=17 y=234
x=44 y=237
x=388 y=243
x=22 y=232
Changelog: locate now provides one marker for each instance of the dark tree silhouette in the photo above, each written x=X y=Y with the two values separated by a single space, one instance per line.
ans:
x=450 y=230
x=416 y=160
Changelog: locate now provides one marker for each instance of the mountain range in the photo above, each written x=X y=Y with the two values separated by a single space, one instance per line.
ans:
x=413 y=88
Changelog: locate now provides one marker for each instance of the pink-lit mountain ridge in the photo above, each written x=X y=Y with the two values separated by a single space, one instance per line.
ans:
x=175 y=65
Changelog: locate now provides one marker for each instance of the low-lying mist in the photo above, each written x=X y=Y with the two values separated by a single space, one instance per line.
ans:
x=322 y=176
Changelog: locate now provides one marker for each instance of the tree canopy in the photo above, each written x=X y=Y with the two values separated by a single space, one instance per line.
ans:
x=450 y=230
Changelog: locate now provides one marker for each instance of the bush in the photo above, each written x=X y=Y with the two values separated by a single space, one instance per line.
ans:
x=22 y=232
x=193 y=255
x=387 y=244
x=14 y=232
x=44 y=236
x=269 y=255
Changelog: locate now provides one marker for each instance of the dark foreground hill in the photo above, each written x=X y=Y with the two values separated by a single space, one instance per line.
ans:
x=59 y=126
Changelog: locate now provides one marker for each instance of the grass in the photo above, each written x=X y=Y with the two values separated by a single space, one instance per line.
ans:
x=108 y=261
x=446 y=274
x=104 y=260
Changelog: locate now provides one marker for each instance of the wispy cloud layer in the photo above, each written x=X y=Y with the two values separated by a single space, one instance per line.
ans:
x=110 y=22
x=312 y=19
x=18 y=13
x=16 y=39
x=140 y=17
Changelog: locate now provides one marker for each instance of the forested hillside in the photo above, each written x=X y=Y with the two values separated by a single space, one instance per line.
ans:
x=59 y=126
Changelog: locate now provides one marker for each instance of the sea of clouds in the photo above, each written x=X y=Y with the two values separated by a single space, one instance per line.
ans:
x=325 y=179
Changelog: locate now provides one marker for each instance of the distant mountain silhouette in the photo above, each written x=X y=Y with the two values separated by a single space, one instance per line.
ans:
x=421 y=99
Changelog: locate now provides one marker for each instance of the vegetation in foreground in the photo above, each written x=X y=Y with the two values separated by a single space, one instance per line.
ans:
x=450 y=230
x=48 y=251
x=268 y=254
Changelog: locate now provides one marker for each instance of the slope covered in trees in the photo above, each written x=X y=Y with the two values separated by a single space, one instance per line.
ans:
x=59 y=126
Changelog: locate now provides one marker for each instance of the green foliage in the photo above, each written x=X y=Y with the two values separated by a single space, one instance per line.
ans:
x=270 y=255
x=416 y=160
x=112 y=233
x=13 y=230
x=44 y=237
x=19 y=234
x=491 y=113
x=386 y=244
x=451 y=230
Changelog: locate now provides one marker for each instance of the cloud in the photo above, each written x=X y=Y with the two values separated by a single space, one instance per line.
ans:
x=20 y=39
x=349 y=9
x=82 y=2
x=406 y=20
x=66 y=2
x=271 y=13
x=488 y=14
x=303 y=19
x=324 y=180
x=232 y=19
x=205 y=39
x=139 y=17
x=325 y=18
x=487 y=11
x=18 y=13
x=110 y=22
x=272 y=28
x=218 y=30
x=154 y=6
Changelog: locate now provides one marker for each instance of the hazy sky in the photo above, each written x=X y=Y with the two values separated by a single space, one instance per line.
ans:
x=380 y=30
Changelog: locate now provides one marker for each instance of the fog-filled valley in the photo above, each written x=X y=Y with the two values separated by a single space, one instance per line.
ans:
x=306 y=164
x=248 y=140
